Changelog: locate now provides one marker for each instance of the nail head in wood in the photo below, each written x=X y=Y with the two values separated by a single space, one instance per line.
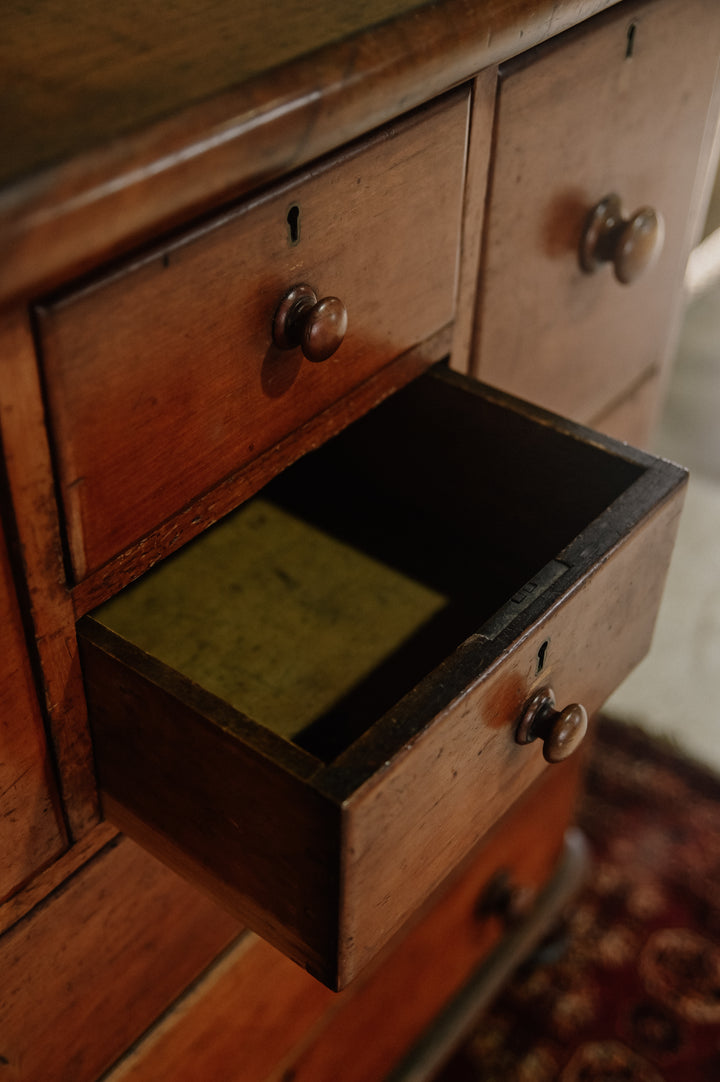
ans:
x=631 y=244
x=317 y=326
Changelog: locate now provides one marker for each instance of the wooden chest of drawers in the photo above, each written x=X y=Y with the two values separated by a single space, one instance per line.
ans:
x=620 y=113
x=426 y=559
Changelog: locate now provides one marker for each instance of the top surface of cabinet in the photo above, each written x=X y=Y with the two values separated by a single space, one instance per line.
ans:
x=116 y=125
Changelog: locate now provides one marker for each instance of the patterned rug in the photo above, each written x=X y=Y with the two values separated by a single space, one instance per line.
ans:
x=629 y=990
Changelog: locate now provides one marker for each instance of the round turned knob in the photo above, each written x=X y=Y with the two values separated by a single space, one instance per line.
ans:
x=317 y=326
x=561 y=731
x=630 y=244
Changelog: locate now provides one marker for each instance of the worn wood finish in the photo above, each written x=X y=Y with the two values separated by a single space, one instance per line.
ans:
x=171 y=358
x=291 y=1024
x=177 y=119
x=329 y=850
x=634 y=415
x=30 y=481
x=281 y=619
x=87 y=972
x=32 y=831
x=546 y=330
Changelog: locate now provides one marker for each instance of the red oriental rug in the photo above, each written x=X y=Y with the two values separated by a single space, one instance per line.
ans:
x=629 y=989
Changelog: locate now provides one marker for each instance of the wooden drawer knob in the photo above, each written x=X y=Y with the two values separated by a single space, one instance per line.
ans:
x=505 y=899
x=317 y=326
x=630 y=244
x=561 y=731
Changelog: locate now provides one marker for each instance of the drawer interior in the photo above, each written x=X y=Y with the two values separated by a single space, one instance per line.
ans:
x=316 y=606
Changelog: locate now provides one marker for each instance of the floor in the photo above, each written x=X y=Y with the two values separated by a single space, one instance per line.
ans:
x=676 y=690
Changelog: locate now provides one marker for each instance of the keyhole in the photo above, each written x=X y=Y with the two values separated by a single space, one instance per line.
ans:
x=541 y=657
x=630 y=47
x=293 y=221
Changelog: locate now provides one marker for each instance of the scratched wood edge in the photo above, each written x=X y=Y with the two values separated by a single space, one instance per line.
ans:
x=657 y=482
x=30 y=479
x=114 y=487
x=66 y=219
x=480 y=138
x=211 y=506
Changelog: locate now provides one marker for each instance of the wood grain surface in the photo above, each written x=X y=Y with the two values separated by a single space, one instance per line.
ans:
x=167 y=128
x=85 y=973
x=480 y=136
x=634 y=414
x=32 y=491
x=618 y=115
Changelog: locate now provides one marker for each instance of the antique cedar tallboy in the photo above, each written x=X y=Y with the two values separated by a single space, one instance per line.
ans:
x=512 y=187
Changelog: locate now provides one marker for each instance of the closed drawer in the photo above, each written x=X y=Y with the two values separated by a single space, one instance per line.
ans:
x=612 y=107
x=163 y=378
x=312 y=709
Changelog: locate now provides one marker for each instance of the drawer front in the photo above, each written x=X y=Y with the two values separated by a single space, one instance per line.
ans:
x=163 y=379
x=612 y=108
x=327 y=829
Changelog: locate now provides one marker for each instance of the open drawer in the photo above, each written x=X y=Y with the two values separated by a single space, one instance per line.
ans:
x=313 y=708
